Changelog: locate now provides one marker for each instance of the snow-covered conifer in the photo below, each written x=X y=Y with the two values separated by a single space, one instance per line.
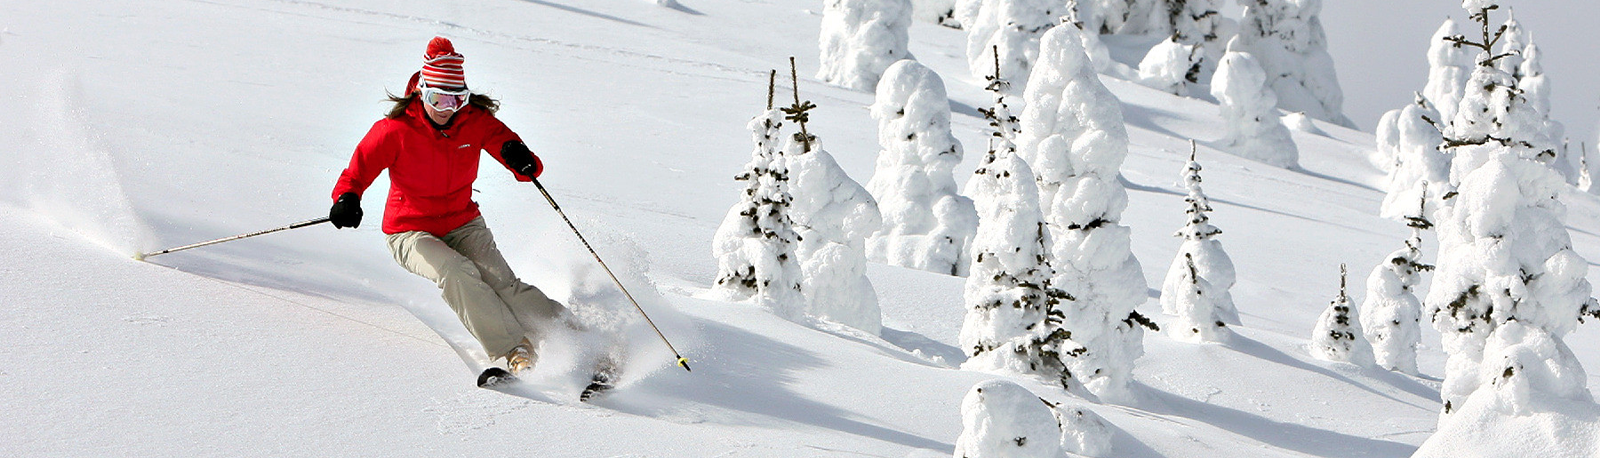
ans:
x=1287 y=39
x=1449 y=66
x=926 y=224
x=1121 y=17
x=1535 y=86
x=1391 y=314
x=755 y=244
x=1421 y=168
x=833 y=216
x=1338 y=336
x=1585 y=175
x=1001 y=419
x=1012 y=324
x=1171 y=66
x=1254 y=129
x=1506 y=262
x=940 y=12
x=1200 y=258
x=1011 y=30
x=862 y=38
x=1074 y=138
x=1189 y=55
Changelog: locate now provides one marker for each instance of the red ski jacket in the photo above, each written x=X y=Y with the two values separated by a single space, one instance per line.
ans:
x=431 y=170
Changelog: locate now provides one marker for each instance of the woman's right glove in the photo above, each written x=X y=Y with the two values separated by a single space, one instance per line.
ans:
x=346 y=211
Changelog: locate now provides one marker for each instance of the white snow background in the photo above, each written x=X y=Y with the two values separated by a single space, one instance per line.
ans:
x=136 y=126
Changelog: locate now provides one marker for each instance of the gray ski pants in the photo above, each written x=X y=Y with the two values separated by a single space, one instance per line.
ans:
x=495 y=306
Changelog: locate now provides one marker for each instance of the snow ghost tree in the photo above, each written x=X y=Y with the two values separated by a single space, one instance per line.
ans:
x=1508 y=285
x=862 y=38
x=1449 y=66
x=926 y=225
x=1121 y=17
x=1286 y=36
x=1338 y=337
x=1386 y=156
x=940 y=12
x=1083 y=432
x=1172 y=66
x=755 y=244
x=1254 y=129
x=1534 y=85
x=833 y=216
x=1074 y=138
x=1391 y=314
x=1012 y=323
x=1009 y=30
x=1190 y=54
x=1420 y=168
x=1197 y=283
x=1001 y=419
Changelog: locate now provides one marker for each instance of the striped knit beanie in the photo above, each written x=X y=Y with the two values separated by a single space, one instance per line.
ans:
x=441 y=65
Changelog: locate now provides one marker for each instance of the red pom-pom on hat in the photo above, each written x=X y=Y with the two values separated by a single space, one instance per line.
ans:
x=441 y=65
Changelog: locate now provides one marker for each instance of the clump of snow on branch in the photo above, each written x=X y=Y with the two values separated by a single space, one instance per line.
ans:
x=862 y=38
x=1074 y=138
x=926 y=224
x=1286 y=36
x=833 y=215
x=1449 y=66
x=1254 y=130
x=755 y=244
x=1337 y=335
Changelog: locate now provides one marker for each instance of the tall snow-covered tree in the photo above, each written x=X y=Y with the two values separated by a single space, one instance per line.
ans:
x=1201 y=257
x=1508 y=284
x=1449 y=66
x=862 y=38
x=1337 y=335
x=832 y=214
x=1585 y=174
x=1391 y=314
x=1254 y=129
x=1421 y=169
x=1074 y=138
x=1009 y=29
x=1535 y=86
x=926 y=224
x=755 y=244
x=1012 y=322
x=1286 y=36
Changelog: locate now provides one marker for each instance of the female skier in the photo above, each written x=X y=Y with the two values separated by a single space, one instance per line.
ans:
x=430 y=142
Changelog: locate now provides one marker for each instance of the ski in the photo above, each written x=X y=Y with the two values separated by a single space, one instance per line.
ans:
x=493 y=377
x=597 y=385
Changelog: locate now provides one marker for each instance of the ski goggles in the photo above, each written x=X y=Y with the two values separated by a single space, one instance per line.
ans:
x=445 y=100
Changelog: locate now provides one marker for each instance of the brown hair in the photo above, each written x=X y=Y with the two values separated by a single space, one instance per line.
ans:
x=484 y=102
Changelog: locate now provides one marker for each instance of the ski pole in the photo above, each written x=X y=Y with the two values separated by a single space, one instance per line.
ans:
x=682 y=361
x=142 y=256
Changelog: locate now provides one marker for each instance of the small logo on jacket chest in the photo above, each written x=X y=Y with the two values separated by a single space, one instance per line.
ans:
x=469 y=145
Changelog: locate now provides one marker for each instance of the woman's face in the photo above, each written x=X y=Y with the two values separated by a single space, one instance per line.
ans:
x=438 y=116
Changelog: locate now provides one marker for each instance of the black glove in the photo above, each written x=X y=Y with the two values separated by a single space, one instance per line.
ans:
x=346 y=211
x=520 y=159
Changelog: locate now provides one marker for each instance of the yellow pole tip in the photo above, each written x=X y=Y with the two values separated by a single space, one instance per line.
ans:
x=138 y=256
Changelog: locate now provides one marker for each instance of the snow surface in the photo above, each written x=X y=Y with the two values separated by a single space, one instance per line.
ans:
x=146 y=125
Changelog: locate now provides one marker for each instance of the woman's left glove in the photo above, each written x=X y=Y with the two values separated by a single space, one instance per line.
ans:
x=346 y=211
x=520 y=159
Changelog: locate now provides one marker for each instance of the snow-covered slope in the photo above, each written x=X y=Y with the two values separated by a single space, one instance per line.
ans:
x=134 y=126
